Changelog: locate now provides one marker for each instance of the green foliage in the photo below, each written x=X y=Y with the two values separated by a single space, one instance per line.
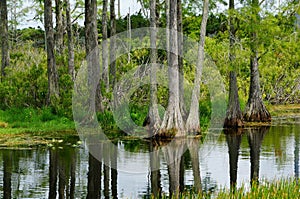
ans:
x=35 y=120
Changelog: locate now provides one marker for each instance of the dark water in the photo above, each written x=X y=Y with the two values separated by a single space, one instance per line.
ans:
x=68 y=171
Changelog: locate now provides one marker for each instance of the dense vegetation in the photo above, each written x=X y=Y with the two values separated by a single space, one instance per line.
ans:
x=25 y=81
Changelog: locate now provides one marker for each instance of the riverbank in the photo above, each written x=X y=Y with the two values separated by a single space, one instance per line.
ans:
x=31 y=127
x=279 y=189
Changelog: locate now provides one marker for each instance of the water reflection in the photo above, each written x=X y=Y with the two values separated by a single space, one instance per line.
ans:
x=7 y=172
x=296 y=154
x=62 y=172
x=255 y=138
x=233 y=139
x=240 y=156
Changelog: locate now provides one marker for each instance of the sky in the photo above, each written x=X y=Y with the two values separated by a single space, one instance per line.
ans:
x=124 y=8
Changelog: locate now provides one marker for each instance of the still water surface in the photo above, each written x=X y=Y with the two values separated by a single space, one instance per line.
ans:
x=230 y=158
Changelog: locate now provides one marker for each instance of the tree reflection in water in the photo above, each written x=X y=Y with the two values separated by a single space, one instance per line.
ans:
x=255 y=138
x=233 y=139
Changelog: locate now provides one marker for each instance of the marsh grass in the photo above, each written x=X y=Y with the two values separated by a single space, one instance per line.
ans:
x=279 y=189
x=31 y=127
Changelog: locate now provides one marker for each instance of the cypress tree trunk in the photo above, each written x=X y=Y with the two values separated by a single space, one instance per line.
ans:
x=112 y=42
x=92 y=50
x=173 y=124
x=234 y=116
x=59 y=36
x=105 y=67
x=154 y=118
x=4 y=37
x=53 y=89
x=70 y=40
x=255 y=110
x=180 y=60
x=193 y=122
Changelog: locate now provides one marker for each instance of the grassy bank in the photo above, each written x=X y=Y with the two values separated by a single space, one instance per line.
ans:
x=281 y=189
x=29 y=127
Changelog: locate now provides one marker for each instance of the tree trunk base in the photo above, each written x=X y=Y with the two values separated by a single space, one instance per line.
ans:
x=233 y=122
x=257 y=112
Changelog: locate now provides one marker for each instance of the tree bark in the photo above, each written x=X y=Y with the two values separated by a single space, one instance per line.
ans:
x=4 y=38
x=173 y=124
x=193 y=122
x=255 y=110
x=92 y=50
x=180 y=60
x=59 y=36
x=53 y=89
x=234 y=115
x=71 y=69
x=105 y=67
x=112 y=42
x=154 y=118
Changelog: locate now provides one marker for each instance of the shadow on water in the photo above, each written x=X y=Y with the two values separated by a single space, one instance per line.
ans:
x=169 y=169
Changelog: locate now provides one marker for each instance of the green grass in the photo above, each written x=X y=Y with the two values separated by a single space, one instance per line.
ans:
x=28 y=127
x=281 y=189
x=287 y=188
x=33 y=120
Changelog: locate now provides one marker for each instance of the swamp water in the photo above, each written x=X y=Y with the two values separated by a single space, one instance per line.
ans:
x=261 y=153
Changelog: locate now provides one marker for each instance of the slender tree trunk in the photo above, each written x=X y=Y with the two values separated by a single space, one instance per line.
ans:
x=255 y=110
x=59 y=36
x=71 y=69
x=119 y=9
x=53 y=89
x=4 y=37
x=112 y=42
x=129 y=35
x=193 y=122
x=153 y=110
x=105 y=52
x=92 y=50
x=234 y=115
x=173 y=124
x=180 y=60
